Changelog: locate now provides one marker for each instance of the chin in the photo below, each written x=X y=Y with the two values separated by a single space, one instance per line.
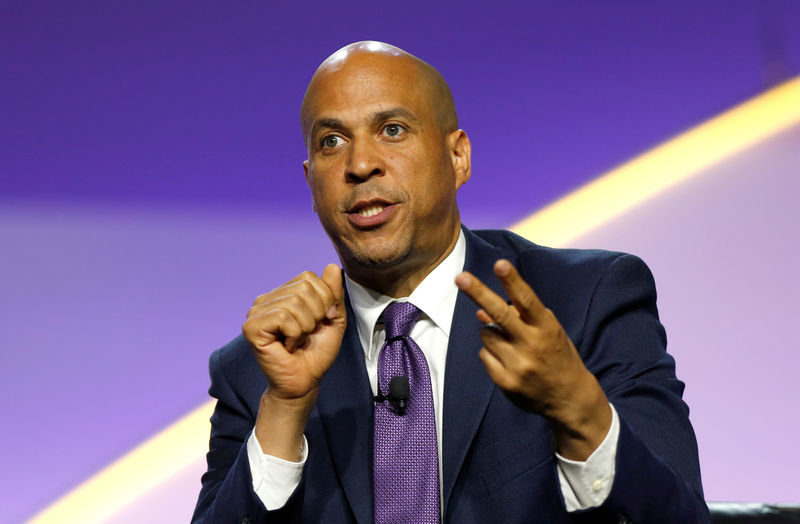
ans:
x=380 y=254
x=378 y=259
x=376 y=252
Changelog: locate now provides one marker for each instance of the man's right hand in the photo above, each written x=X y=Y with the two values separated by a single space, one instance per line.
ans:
x=295 y=331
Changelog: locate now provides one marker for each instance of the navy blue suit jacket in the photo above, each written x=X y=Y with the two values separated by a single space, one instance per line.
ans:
x=498 y=461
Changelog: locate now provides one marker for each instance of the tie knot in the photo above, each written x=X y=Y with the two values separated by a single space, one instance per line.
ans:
x=399 y=318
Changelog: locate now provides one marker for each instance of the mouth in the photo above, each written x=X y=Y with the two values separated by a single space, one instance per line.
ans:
x=370 y=210
x=370 y=214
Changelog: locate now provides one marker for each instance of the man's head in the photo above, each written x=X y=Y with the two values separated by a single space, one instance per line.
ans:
x=385 y=159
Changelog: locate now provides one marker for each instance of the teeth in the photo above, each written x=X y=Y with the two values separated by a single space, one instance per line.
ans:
x=371 y=210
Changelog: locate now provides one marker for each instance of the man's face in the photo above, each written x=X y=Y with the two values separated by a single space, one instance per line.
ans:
x=383 y=174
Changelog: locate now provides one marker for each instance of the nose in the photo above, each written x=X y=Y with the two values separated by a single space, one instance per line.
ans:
x=364 y=162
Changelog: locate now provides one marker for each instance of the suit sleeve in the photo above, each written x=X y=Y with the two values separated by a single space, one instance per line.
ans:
x=657 y=472
x=227 y=488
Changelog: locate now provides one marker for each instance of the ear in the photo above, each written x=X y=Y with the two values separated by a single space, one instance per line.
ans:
x=460 y=155
x=305 y=169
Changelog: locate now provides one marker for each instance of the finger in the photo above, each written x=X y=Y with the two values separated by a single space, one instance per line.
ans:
x=305 y=275
x=496 y=341
x=494 y=368
x=294 y=335
x=312 y=283
x=332 y=278
x=304 y=290
x=306 y=283
x=286 y=287
x=483 y=317
x=527 y=303
x=263 y=330
x=497 y=308
x=316 y=293
x=307 y=316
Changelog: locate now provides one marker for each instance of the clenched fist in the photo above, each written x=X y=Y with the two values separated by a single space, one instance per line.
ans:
x=296 y=330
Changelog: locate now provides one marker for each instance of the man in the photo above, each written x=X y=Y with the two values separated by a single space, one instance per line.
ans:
x=540 y=389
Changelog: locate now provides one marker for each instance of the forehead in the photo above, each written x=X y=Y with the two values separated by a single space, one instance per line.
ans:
x=365 y=85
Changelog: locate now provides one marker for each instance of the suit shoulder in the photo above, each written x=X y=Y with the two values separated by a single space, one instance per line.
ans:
x=515 y=247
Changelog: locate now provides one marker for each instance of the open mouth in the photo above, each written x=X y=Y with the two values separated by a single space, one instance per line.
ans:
x=371 y=210
x=371 y=214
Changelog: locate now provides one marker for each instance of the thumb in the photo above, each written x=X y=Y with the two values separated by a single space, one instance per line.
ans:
x=332 y=276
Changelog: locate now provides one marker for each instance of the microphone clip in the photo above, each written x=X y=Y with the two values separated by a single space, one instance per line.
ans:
x=398 y=393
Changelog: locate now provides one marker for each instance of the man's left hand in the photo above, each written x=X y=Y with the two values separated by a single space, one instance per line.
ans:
x=529 y=356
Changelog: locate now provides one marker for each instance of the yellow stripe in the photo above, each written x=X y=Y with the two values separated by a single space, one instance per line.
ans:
x=590 y=206
x=632 y=183
x=135 y=474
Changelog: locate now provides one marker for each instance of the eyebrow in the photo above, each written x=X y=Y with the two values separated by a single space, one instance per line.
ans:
x=395 y=112
x=326 y=123
x=377 y=118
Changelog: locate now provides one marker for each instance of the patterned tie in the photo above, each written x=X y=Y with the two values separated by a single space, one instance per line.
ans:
x=406 y=460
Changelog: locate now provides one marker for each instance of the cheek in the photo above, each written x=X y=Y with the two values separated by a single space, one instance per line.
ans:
x=322 y=197
x=319 y=194
x=326 y=202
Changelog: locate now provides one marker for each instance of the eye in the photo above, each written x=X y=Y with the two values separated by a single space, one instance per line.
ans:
x=331 y=141
x=394 y=130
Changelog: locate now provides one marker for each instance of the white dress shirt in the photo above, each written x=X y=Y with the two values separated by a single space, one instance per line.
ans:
x=583 y=484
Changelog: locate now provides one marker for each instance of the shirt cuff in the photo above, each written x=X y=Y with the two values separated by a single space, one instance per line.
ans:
x=274 y=479
x=587 y=484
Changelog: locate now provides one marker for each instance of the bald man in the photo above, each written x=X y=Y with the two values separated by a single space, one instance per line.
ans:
x=552 y=398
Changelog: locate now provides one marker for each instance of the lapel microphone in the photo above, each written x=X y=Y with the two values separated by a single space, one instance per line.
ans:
x=398 y=393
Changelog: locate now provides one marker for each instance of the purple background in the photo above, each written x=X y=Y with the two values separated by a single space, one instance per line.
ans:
x=150 y=179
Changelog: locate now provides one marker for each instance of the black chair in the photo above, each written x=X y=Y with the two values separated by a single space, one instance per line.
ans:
x=755 y=513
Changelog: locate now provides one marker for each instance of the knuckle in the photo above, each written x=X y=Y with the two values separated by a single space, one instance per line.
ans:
x=252 y=332
x=308 y=289
x=283 y=315
x=528 y=371
x=305 y=286
x=292 y=330
x=295 y=301
x=503 y=314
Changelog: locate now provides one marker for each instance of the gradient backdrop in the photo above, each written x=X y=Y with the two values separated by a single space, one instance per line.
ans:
x=151 y=186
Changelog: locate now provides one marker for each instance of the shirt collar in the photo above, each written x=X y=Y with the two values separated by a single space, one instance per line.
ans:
x=435 y=296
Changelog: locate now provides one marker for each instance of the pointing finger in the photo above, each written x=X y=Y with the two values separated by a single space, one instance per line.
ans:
x=491 y=303
x=528 y=305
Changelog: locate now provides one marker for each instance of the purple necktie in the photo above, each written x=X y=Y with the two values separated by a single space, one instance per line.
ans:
x=406 y=460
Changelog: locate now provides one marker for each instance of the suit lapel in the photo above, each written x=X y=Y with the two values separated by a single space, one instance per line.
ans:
x=346 y=410
x=467 y=387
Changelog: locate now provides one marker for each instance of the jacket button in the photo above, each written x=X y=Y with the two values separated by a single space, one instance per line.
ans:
x=247 y=519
